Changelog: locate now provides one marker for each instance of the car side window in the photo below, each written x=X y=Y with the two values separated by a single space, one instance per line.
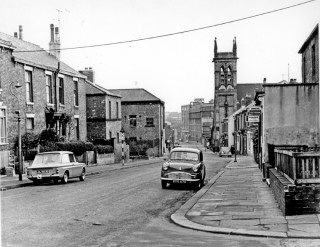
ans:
x=71 y=157
x=201 y=156
x=65 y=158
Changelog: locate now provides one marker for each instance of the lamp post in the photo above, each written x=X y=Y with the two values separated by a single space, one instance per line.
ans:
x=122 y=142
x=235 y=146
x=19 y=129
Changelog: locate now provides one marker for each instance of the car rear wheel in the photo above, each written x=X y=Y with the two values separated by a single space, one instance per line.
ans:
x=65 y=178
x=163 y=184
x=83 y=175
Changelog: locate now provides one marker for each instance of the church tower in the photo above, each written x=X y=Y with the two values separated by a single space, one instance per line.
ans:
x=225 y=96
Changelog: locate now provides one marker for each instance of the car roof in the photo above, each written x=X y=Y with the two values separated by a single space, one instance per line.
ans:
x=184 y=149
x=57 y=152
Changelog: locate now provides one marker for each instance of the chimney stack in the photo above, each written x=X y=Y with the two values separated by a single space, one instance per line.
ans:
x=15 y=34
x=20 y=32
x=243 y=103
x=264 y=80
x=57 y=34
x=89 y=73
x=52 y=33
x=54 y=44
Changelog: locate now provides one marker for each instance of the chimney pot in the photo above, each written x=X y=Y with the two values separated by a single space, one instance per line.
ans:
x=264 y=80
x=52 y=33
x=15 y=34
x=20 y=32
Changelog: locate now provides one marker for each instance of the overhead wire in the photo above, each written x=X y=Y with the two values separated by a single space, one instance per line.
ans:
x=175 y=33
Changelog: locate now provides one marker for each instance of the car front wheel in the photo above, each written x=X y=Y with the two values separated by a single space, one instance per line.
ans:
x=65 y=178
x=82 y=176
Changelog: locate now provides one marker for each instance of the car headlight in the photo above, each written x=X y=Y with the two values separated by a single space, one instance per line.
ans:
x=165 y=166
x=195 y=168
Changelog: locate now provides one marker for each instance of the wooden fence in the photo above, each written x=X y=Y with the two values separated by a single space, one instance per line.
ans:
x=298 y=167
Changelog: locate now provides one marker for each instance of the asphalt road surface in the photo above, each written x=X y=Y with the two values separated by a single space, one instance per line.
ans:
x=118 y=208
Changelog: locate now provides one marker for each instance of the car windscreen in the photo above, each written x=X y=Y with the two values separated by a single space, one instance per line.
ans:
x=183 y=155
x=46 y=159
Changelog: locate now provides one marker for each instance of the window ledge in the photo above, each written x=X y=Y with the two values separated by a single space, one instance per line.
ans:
x=50 y=105
x=150 y=125
x=76 y=106
x=30 y=103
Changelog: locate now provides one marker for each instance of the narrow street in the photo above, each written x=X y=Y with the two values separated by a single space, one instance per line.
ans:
x=118 y=208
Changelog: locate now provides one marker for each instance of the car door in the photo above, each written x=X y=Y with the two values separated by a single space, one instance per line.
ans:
x=75 y=166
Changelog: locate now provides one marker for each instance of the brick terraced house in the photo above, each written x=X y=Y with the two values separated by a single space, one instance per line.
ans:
x=143 y=117
x=103 y=113
x=46 y=92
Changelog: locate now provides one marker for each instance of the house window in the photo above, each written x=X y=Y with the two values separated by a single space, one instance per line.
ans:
x=117 y=105
x=118 y=138
x=150 y=121
x=30 y=123
x=133 y=120
x=109 y=109
x=313 y=60
x=49 y=89
x=3 y=126
x=110 y=135
x=76 y=93
x=77 y=127
x=29 y=86
x=133 y=141
x=61 y=91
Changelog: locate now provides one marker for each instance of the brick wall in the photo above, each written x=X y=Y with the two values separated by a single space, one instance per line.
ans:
x=294 y=199
x=101 y=122
x=142 y=111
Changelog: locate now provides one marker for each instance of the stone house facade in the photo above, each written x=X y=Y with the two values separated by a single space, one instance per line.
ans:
x=143 y=117
x=45 y=91
x=103 y=113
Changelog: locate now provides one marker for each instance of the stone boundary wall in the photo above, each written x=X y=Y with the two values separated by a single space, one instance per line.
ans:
x=294 y=199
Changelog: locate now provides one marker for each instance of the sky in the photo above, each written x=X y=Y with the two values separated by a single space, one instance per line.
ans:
x=176 y=68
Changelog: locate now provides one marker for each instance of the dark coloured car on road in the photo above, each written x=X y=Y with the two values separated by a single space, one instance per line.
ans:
x=184 y=165
x=55 y=166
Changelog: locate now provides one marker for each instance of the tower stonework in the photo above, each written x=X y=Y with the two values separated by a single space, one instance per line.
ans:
x=225 y=96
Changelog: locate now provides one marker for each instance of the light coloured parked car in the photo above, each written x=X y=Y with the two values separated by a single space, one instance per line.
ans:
x=55 y=166
x=185 y=165
x=225 y=151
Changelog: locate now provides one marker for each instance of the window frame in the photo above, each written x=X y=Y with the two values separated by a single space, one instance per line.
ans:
x=133 y=121
x=75 y=92
x=32 y=123
x=29 y=85
x=49 y=88
x=3 y=139
x=61 y=90
x=151 y=123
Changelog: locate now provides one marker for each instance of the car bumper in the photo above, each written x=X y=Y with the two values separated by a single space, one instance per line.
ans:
x=40 y=177
x=180 y=177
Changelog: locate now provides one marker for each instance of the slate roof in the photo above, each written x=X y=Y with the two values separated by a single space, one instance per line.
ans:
x=97 y=89
x=40 y=58
x=136 y=95
x=247 y=89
